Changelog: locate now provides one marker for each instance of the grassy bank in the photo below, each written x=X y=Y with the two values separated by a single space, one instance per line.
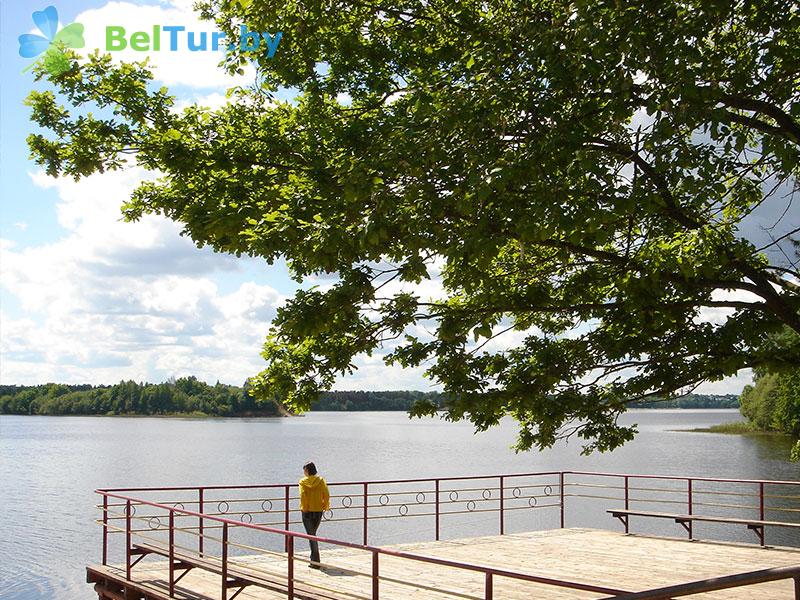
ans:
x=740 y=427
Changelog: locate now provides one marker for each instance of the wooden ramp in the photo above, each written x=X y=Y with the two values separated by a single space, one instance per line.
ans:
x=603 y=558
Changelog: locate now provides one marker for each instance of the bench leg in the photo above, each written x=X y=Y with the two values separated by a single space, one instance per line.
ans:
x=759 y=531
x=179 y=566
x=239 y=591
x=142 y=553
x=687 y=525
x=624 y=520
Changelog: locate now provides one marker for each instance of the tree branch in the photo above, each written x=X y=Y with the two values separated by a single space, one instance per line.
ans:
x=785 y=122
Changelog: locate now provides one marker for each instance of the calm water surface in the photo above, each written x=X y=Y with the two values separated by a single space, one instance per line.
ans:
x=51 y=465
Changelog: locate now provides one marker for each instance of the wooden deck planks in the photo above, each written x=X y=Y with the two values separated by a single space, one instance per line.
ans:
x=605 y=558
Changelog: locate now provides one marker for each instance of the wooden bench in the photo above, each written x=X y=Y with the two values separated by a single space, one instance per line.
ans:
x=237 y=576
x=755 y=525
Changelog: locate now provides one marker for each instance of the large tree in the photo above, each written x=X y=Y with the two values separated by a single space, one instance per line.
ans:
x=575 y=172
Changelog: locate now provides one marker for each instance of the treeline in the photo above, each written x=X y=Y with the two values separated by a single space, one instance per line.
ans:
x=187 y=395
x=692 y=401
x=403 y=400
x=388 y=400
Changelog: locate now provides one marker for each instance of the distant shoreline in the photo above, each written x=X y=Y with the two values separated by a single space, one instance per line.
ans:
x=189 y=397
x=272 y=415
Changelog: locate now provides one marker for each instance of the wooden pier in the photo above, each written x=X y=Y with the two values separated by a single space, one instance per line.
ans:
x=604 y=558
x=237 y=542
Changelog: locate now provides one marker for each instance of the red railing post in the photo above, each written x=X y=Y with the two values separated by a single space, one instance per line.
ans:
x=691 y=533
x=627 y=502
x=761 y=514
x=289 y=543
x=502 y=514
x=366 y=515
x=437 y=510
x=561 y=494
x=128 y=539
x=225 y=561
x=489 y=590
x=105 y=529
x=286 y=515
x=171 y=553
x=201 y=510
x=375 y=576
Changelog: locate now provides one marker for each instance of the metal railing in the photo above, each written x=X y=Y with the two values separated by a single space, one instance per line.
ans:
x=225 y=509
x=362 y=501
x=686 y=492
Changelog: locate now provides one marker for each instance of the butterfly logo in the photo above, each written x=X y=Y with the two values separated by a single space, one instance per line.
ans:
x=52 y=42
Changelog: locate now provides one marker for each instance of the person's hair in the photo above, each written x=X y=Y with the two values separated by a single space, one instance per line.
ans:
x=311 y=468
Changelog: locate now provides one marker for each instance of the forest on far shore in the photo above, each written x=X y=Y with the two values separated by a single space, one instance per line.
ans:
x=190 y=396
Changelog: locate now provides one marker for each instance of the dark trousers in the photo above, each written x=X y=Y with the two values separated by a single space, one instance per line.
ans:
x=311 y=521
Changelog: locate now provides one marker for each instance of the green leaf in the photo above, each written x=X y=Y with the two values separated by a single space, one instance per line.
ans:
x=70 y=36
x=55 y=62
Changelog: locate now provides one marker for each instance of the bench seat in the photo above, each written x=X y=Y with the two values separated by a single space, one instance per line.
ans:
x=755 y=525
x=684 y=517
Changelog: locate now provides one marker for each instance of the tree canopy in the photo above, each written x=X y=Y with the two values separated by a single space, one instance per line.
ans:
x=576 y=174
x=773 y=404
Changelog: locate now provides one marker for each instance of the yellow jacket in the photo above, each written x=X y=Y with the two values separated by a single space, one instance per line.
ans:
x=314 y=496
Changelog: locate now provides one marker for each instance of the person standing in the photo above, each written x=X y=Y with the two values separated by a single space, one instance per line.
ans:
x=314 y=501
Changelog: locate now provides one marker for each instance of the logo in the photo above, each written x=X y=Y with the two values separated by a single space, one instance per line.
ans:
x=176 y=38
x=49 y=48
x=52 y=43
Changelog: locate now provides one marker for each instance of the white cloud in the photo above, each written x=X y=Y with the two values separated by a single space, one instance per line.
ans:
x=182 y=67
x=113 y=300
x=718 y=315
x=21 y=225
x=729 y=385
x=213 y=101
x=374 y=374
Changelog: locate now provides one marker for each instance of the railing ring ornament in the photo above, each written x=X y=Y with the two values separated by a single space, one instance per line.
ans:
x=471 y=505
x=453 y=496
x=420 y=500
x=220 y=509
x=487 y=493
x=264 y=508
x=155 y=520
x=382 y=501
x=403 y=510
x=347 y=502
x=516 y=492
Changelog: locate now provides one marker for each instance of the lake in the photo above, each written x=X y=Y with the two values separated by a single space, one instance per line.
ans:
x=51 y=465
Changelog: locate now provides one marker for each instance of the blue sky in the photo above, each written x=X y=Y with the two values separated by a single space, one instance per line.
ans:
x=86 y=298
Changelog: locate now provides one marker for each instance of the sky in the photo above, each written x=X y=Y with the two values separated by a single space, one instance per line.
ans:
x=88 y=298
